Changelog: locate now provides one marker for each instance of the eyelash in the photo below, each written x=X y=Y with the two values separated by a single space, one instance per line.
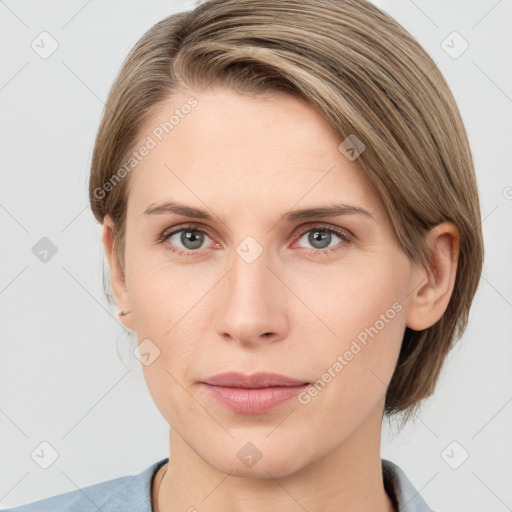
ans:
x=342 y=234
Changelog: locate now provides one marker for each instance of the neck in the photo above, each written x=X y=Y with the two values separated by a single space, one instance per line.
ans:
x=348 y=478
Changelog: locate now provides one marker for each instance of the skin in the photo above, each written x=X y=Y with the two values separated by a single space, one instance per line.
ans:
x=293 y=310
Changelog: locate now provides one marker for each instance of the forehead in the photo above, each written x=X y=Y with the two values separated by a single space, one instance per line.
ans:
x=222 y=145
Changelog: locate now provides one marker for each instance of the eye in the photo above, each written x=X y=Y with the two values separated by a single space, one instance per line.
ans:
x=321 y=238
x=185 y=239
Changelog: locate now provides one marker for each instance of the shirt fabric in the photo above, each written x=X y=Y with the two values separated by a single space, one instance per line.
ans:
x=133 y=494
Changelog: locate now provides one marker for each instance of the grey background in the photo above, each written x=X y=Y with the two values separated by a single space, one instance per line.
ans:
x=66 y=370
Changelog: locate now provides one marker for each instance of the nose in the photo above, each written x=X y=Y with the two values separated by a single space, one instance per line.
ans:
x=253 y=303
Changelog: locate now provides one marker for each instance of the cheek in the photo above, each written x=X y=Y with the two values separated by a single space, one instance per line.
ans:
x=165 y=304
x=161 y=293
x=168 y=375
x=358 y=299
x=362 y=313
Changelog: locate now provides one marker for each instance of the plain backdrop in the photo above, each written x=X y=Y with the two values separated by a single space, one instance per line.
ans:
x=67 y=375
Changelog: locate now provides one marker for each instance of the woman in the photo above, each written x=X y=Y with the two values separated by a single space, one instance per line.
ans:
x=292 y=226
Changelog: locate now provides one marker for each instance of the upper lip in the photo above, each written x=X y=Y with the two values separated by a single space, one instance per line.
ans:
x=256 y=380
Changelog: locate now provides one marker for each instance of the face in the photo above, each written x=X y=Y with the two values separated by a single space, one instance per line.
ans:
x=250 y=279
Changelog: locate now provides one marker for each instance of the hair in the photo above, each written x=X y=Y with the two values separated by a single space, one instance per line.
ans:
x=366 y=76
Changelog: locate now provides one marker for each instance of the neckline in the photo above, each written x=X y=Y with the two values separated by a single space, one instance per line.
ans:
x=390 y=476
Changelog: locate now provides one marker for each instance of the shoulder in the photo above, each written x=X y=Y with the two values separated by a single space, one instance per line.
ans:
x=396 y=483
x=126 y=493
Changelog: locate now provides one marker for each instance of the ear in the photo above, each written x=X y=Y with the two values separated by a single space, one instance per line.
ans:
x=433 y=288
x=117 y=278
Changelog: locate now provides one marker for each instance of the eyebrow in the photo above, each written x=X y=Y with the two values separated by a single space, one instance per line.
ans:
x=180 y=209
x=306 y=213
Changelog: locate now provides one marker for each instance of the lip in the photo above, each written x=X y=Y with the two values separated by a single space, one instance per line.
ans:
x=253 y=394
x=253 y=381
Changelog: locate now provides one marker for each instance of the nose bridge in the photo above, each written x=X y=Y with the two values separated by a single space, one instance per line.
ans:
x=253 y=306
x=250 y=274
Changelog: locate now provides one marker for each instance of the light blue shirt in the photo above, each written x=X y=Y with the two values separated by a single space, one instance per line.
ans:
x=133 y=494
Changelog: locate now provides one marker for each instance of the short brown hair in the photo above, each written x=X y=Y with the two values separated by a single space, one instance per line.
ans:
x=365 y=75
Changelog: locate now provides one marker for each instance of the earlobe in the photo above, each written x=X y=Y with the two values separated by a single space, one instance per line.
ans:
x=117 y=277
x=431 y=289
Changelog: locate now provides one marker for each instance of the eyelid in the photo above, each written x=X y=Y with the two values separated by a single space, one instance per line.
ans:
x=343 y=233
x=188 y=225
x=346 y=240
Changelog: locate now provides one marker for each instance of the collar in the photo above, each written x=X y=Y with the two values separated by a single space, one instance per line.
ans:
x=403 y=494
x=133 y=493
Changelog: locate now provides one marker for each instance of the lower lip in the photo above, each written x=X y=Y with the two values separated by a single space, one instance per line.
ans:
x=254 y=400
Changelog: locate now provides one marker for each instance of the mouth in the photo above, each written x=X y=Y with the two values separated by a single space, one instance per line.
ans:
x=252 y=394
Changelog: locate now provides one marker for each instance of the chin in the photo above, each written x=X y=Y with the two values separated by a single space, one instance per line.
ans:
x=258 y=459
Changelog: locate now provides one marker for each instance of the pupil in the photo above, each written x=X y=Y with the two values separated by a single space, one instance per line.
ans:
x=318 y=239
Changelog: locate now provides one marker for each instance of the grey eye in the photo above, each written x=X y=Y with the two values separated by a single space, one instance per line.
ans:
x=189 y=239
x=320 y=238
